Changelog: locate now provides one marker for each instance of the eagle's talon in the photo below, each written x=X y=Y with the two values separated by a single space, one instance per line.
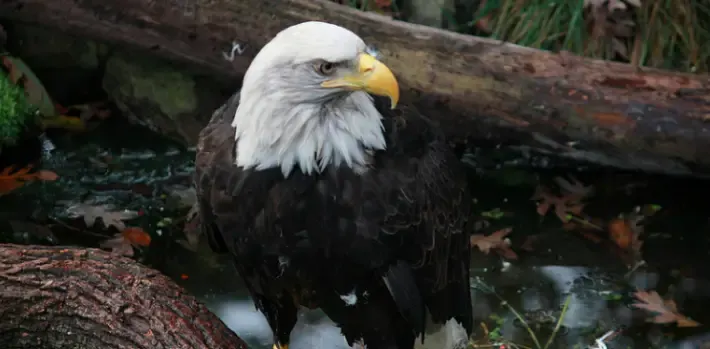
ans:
x=280 y=346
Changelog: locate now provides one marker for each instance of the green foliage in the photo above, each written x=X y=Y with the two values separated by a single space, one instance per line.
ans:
x=675 y=34
x=15 y=111
x=669 y=34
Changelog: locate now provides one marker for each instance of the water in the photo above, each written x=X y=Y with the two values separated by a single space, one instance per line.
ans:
x=130 y=168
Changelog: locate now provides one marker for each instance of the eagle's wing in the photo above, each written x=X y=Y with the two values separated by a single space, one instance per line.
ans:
x=428 y=206
x=230 y=199
x=238 y=208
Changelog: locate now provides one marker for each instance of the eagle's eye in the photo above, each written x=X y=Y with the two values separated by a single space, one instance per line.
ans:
x=325 y=68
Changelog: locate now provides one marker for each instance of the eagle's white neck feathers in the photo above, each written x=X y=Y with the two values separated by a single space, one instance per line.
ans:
x=285 y=119
x=303 y=135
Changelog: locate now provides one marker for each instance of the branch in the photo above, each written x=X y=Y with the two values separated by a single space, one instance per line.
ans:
x=476 y=88
x=64 y=297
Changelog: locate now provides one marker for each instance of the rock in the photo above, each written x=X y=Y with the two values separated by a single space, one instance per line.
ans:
x=170 y=99
x=165 y=97
x=68 y=66
x=428 y=12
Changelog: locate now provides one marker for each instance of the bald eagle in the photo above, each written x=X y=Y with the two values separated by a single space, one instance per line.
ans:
x=328 y=197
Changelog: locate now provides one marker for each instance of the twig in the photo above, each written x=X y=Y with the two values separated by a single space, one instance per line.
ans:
x=522 y=320
x=76 y=229
x=559 y=322
x=525 y=323
x=584 y=222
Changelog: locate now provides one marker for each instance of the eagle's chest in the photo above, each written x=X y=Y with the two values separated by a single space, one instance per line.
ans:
x=314 y=224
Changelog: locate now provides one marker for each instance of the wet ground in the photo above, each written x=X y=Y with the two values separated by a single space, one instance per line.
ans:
x=576 y=279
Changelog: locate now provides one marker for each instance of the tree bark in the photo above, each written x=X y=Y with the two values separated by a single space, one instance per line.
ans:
x=59 y=297
x=476 y=88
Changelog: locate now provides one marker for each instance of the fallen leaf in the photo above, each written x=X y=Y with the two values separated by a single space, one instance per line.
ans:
x=65 y=122
x=621 y=233
x=123 y=242
x=495 y=241
x=118 y=245
x=563 y=205
x=87 y=112
x=136 y=236
x=11 y=180
x=91 y=213
x=666 y=310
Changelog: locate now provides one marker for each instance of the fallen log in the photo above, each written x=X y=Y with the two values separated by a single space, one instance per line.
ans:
x=60 y=297
x=477 y=89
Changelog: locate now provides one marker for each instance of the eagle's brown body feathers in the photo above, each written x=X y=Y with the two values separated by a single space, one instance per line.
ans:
x=373 y=250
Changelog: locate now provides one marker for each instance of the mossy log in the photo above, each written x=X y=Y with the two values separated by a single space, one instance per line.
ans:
x=477 y=89
x=69 y=298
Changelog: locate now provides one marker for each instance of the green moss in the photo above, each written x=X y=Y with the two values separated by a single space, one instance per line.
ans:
x=15 y=111
x=143 y=78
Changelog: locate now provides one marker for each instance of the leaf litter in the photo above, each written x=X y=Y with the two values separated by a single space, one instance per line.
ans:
x=121 y=243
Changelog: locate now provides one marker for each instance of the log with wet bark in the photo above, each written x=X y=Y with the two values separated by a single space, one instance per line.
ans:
x=59 y=297
x=476 y=88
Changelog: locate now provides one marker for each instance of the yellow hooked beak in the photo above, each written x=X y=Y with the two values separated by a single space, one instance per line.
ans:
x=371 y=76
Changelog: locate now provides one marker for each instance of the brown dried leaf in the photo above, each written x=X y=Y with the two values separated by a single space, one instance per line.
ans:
x=496 y=241
x=621 y=233
x=136 y=236
x=11 y=179
x=666 y=310
x=563 y=205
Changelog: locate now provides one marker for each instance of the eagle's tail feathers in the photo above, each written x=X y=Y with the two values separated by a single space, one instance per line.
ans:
x=401 y=284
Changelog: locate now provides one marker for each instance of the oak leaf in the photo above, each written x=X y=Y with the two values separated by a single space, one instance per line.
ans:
x=666 y=311
x=496 y=241
x=11 y=180
x=569 y=203
x=91 y=213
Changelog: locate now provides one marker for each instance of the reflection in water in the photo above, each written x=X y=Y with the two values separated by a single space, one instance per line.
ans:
x=313 y=330
x=539 y=298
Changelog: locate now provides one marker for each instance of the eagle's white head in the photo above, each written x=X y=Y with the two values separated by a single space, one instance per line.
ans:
x=304 y=101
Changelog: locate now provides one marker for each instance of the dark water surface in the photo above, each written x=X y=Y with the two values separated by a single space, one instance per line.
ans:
x=564 y=274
